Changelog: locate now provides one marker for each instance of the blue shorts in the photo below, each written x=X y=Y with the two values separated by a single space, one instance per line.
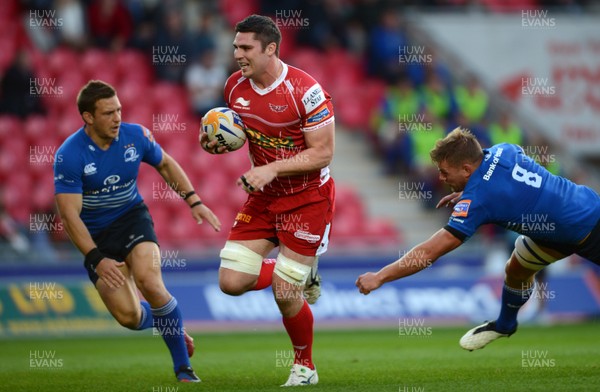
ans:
x=588 y=249
x=122 y=235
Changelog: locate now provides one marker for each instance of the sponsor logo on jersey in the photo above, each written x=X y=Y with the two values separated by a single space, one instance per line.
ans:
x=305 y=235
x=262 y=140
x=243 y=218
x=318 y=117
x=90 y=169
x=245 y=103
x=277 y=108
x=461 y=208
x=131 y=154
x=490 y=170
x=112 y=179
x=313 y=98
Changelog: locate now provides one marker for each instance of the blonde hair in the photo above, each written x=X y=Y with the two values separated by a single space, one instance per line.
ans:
x=458 y=147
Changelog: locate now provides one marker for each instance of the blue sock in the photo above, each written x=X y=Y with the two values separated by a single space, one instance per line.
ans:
x=512 y=301
x=146 y=319
x=169 y=323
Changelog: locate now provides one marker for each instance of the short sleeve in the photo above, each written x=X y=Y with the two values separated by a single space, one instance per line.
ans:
x=152 y=150
x=466 y=218
x=68 y=173
x=316 y=105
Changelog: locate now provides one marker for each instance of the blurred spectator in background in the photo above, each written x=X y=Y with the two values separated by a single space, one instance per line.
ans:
x=15 y=94
x=145 y=16
x=203 y=35
x=422 y=135
x=357 y=37
x=110 y=23
x=204 y=80
x=173 y=47
x=472 y=102
x=400 y=108
x=327 y=24
x=436 y=97
x=505 y=130
x=368 y=12
x=73 y=30
x=385 y=42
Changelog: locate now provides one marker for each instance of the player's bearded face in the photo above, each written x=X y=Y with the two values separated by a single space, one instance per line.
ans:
x=106 y=119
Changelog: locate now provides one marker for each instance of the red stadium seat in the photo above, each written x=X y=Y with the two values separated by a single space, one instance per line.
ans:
x=139 y=114
x=94 y=61
x=350 y=112
x=9 y=126
x=129 y=94
x=382 y=231
x=9 y=159
x=234 y=11
x=134 y=66
x=68 y=124
x=63 y=60
x=16 y=196
x=43 y=197
x=36 y=128
x=349 y=215
x=8 y=49
x=164 y=94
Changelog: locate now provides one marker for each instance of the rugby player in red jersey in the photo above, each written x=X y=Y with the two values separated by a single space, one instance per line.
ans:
x=290 y=128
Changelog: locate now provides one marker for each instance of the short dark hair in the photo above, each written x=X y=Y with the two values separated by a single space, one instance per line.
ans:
x=91 y=93
x=264 y=28
x=458 y=147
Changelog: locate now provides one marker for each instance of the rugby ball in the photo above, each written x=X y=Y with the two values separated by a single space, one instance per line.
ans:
x=225 y=126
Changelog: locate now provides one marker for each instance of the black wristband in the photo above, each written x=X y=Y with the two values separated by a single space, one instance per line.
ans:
x=199 y=202
x=190 y=193
x=92 y=259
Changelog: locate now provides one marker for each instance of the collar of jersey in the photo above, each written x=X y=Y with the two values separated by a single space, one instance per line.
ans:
x=273 y=86
x=91 y=141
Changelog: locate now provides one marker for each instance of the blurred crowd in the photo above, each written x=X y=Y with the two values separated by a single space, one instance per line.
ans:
x=403 y=108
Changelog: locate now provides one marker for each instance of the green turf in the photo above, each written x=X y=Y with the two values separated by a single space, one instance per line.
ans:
x=371 y=360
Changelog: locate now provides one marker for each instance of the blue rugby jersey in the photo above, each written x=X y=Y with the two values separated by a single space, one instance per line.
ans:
x=511 y=190
x=106 y=179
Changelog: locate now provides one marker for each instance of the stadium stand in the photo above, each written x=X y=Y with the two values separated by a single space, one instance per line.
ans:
x=154 y=103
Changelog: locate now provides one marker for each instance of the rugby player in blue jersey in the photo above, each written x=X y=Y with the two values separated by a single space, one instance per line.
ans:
x=95 y=178
x=501 y=185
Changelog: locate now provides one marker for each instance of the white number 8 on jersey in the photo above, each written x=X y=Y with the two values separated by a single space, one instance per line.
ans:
x=529 y=178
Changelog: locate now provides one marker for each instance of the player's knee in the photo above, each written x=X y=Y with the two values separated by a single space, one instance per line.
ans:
x=240 y=267
x=526 y=259
x=231 y=288
x=129 y=319
x=293 y=273
x=152 y=288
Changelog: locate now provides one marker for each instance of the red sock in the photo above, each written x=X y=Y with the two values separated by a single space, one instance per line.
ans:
x=266 y=274
x=300 y=330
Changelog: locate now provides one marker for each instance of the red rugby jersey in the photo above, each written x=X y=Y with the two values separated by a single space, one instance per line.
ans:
x=276 y=118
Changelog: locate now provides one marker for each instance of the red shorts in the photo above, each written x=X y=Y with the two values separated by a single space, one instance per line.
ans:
x=301 y=222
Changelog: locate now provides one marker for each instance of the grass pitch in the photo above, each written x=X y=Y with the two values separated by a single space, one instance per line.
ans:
x=557 y=358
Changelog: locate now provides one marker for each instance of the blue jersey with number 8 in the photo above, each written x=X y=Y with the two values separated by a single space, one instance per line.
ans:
x=511 y=190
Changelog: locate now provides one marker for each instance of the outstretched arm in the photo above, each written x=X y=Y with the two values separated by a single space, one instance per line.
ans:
x=417 y=259
x=174 y=175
